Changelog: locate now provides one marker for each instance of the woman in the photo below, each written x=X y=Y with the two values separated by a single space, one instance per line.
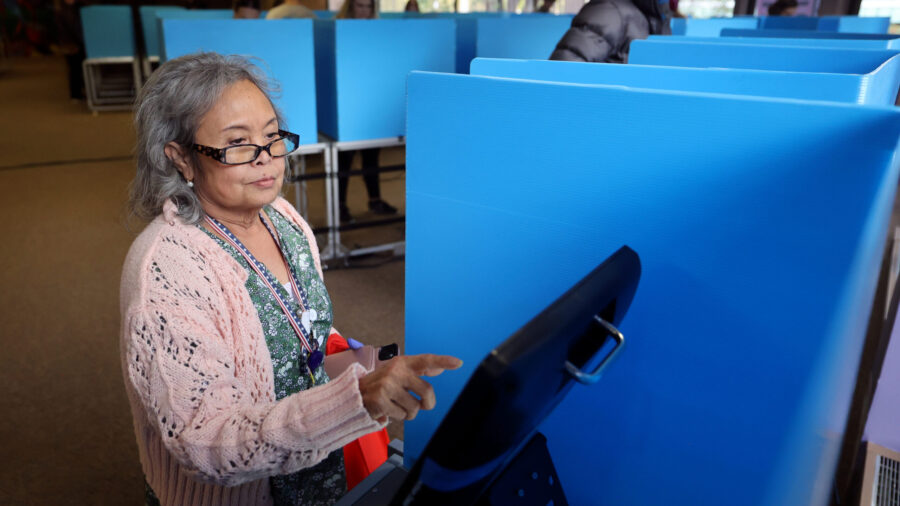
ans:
x=602 y=30
x=360 y=9
x=224 y=311
x=783 y=8
x=246 y=9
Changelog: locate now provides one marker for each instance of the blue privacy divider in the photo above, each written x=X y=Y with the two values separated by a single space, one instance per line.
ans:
x=788 y=23
x=766 y=83
x=466 y=39
x=759 y=254
x=293 y=69
x=199 y=14
x=196 y=14
x=878 y=69
x=187 y=14
x=892 y=40
x=854 y=24
x=712 y=27
x=397 y=15
x=531 y=37
x=325 y=14
x=772 y=41
x=108 y=31
x=466 y=34
x=151 y=27
x=678 y=26
x=797 y=59
x=361 y=69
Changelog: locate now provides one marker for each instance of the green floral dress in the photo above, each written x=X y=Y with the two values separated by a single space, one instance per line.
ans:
x=324 y=483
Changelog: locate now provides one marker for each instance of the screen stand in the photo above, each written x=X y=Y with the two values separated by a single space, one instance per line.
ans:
x=529 y=479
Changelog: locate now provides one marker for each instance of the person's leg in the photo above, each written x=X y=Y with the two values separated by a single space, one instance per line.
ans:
x=373 y=186
x=345 y=163
x=76 y=78
x=370 y=172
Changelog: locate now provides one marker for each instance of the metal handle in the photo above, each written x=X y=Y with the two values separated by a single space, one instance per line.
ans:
x=590 y=379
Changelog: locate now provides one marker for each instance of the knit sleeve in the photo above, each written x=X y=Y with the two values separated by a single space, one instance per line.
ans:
x=196 y=374
x=214 y=425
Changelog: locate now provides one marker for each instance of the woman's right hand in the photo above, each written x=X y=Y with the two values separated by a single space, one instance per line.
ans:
x=387 y=392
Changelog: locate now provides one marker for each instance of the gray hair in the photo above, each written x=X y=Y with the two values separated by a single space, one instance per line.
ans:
x=169 y=108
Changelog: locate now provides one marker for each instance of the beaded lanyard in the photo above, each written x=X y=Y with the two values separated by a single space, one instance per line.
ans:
x=301 y=321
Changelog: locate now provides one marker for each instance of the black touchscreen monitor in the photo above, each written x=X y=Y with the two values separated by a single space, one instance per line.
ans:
x=520 y=382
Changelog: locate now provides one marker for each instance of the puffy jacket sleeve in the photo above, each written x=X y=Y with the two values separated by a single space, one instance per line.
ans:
x=596 y=32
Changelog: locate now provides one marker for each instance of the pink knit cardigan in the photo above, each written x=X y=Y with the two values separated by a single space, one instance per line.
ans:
x=199 y=376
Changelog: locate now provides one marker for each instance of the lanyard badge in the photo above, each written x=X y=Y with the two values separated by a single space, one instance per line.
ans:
x=301 y=320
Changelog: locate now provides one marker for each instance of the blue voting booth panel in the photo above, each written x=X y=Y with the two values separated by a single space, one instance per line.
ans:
x=398 y=15
x=892 y=41
x=108 y=31
x=530 y=37
x=765 y=83
x=854 y=24
x=198 y=14
x=878 y=71
x=186 y=14
x=878 y=68
x=712 y=27
x=466 y=34
x=788 y=23
x=361 y=69
x=466 y=38
x=678 y=26
x=150 y=26
x=772 y=41
x=759 y=260
x=796 y=59
x=325 y=14
x=266 y=40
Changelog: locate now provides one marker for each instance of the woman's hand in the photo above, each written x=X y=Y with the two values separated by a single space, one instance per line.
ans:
x=387 y=392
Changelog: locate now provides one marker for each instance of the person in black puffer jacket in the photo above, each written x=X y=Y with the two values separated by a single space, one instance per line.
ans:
x=602 y=30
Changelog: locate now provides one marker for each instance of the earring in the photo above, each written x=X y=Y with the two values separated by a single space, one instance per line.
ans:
x=190 y=184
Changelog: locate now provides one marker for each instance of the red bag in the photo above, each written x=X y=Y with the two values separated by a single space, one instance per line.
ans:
x=365 y=454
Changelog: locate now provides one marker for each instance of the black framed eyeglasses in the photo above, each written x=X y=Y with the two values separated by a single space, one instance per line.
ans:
x=285 y=144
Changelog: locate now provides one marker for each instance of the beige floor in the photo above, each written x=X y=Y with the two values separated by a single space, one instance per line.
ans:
x=65 y=430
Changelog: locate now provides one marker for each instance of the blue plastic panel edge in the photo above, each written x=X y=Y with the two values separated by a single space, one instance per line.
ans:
x=788 y=23
x=712 y=27
x=855 y=24
x=776 y=41
x=881 y=86
x=520 y=37
x=788 y=34
x=795 y=59
x=798 y=85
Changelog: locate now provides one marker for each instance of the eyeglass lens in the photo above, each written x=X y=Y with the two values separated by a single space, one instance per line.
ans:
x=246 y=154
